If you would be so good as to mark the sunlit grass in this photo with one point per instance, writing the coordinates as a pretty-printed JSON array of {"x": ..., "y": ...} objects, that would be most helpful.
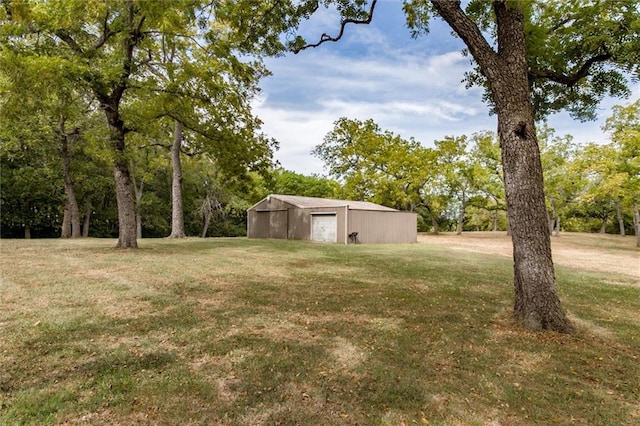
[{"x": 236, "y": 331}]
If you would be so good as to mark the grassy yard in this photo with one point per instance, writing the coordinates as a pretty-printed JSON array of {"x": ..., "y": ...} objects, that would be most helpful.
[{"x": 253, "y": 332}]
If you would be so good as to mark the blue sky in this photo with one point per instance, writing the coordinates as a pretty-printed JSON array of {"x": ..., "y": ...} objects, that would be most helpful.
[{"x": 412, "y": 87}]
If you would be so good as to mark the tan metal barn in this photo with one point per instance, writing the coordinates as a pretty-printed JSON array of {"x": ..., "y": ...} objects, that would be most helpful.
[{"x": 327, "y": 220}]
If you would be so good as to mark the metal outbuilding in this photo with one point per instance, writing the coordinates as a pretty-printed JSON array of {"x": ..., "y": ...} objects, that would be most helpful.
[{"x": 327, "y": 220}]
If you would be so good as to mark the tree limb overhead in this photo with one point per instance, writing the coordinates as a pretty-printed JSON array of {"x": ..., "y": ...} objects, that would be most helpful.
[{"x": 326, "y": 37}]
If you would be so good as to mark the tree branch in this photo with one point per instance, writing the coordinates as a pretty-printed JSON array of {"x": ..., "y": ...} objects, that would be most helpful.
[
  {"x": 66, "y": 37},
  {"x": 468, "y": 31},
  {"x": 569, "y": 80},
  {"x": 326, "y": 37},
  {"x": 106, "y": 33}
]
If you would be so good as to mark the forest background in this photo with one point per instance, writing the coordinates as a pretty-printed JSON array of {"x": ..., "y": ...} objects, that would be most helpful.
[{"x": 186, "y": 114}]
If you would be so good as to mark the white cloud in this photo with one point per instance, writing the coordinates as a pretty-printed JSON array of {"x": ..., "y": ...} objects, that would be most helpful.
[
  {"x": 413, "y": 88},
  {"x": 410, "y": 95}
]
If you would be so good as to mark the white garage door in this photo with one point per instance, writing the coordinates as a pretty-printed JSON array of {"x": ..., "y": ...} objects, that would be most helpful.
[{"x": 324, "y": 228}]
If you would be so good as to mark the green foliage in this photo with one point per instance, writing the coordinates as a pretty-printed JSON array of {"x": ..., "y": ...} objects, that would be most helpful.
[
  {"x": 31, "y": 192},
  {"x": 377, "y": 165},
  {"x": 290, "y": 183},
  {"x": 624, "y": 127},
  {"x": 148, "y": 64},
  {"x": 577, "y": 51},
  {"x": 562, "y": 178}
]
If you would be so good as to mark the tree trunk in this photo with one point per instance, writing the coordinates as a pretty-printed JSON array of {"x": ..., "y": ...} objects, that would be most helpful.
[
  {"x": 27, "y": 232},
  {"x": 620, "y": 218},
  {"x": 138, "y": 190},
  {"x": 127, "y": 236},
  {"x": 177, "y": 208},
  {"x": 65, "y": 232},
  {"x": 461, "y": 217},
  {"x": 205, "y": 227},
  {"x": 603, "y": 226},
  {"x": 126, "y": 207},
  {"x": 87, "y": 219},
  {"x": 636, "y": 222},
  {"x": 138, "y": 224},
  {"x": 557, "y": 226},
  {"x": 70, "y": 197},
  {"x": 536, "y": 301}
]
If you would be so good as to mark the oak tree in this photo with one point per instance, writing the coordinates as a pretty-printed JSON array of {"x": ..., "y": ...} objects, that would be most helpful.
[{"x": 533, "y": 58}]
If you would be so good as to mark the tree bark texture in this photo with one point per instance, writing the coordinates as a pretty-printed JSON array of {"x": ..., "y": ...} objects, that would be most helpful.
[
  {"x": 127, "y": 236},
  {"x": 536, "y": 302},
  {"x": 177, "y": 207}
]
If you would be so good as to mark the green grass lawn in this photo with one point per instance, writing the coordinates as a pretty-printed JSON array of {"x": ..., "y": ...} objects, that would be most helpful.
[{"x": 252, "y": 332}]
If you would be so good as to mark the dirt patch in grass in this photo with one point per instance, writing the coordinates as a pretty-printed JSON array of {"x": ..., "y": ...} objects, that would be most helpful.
[{"x": 614, "y": 254}]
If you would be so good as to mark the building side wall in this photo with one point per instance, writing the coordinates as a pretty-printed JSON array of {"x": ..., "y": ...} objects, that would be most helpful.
[
  {"x": 268, "y": 219},
  {"x": 383, "y": 227},
  {"x": 257, "y": 224}
]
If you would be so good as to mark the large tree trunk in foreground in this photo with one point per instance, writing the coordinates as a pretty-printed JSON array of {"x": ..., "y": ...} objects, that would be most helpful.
[
  {"x": 536, "y": 301},
  {"x": 177, "y": 208}
]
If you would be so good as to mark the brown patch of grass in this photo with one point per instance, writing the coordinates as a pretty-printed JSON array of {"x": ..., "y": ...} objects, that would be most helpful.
[{"x": 591, "y": 252}]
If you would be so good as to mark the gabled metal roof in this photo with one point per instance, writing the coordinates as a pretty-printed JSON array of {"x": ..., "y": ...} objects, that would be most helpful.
[{"x": 313, "y": 202}]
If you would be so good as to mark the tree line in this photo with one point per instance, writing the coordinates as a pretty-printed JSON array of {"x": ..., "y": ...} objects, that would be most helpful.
[
  {"x": 458, "y": 183},
  {"x": 454, "y": 185}
]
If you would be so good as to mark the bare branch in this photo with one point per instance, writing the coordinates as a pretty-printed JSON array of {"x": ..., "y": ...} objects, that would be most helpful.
[{"x": 326, "y": 37}]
